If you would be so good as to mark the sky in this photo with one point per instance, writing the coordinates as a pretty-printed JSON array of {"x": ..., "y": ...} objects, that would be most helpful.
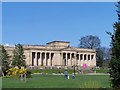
[{"x": 37, "y": 23}]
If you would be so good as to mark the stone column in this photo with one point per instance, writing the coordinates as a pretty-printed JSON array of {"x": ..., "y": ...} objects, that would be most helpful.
[
  {"x": 94, "y": 58},
  {"x": 49, "y": 60},
  {"x": 66, "y": 60},
  {"x": 35, "y": 59},
  {"x": 44, "y": 62},
  {"x": 61, "y": 63},
  {"x": 83, "y": 57},
  {"x": 86, "y": 56},
  {"x": 30, "y": 55},
  {"x": 82, "y": 60},
  {"x": 78, "y": 61},
  {"x": 70, "y": 59},
  {"x": 39, "y": 60}
]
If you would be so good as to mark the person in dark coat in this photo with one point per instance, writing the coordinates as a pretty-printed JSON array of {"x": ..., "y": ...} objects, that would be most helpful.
[{"x": 66, "y": 74}]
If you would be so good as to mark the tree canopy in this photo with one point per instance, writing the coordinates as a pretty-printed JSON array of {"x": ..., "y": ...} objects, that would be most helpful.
[
  {"x": 4, "y": 58},
  {"x": 115, "y": 56},
  {"x": 89, "y": 41},
  {"x": 18, "y": 56}
]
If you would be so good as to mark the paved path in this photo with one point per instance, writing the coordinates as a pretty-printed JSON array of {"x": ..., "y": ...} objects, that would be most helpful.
[
  {"x": 76, "y": 74},
  {"x": 97, "y": 74}
]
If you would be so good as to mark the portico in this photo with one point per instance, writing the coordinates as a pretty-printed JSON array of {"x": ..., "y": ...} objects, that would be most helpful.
[{"x": 65, "y": 59}]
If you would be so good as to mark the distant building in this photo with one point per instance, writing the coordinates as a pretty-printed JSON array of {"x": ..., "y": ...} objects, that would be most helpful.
[{"x": 57, "y": 53}]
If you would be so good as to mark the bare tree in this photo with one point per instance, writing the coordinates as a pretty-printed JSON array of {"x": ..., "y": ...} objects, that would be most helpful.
[{"x": 89, "y": 41}]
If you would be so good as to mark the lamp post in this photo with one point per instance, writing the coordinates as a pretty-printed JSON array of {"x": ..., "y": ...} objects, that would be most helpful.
[
  {"x": 74, "y": 69},
  {"x": 74, "y": 64}
]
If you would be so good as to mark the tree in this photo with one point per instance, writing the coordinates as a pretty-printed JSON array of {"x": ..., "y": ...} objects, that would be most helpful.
[
  {"x": 107, "y": 53},
  {"x": 103, "y": 56},
  {"x": 115, "y": 56},
  {"x": 4, "y": 59},
  {"x": 18, "y": 56},
  {"x": 89, "y": 41},
  {"x": 99, "y": 56},
  {"x": 106, "y": 56}
]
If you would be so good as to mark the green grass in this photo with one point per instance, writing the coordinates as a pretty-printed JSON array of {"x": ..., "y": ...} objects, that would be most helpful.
[
  {"x": 0, "y": 83},
  {"x": 57, "y": 81},
  {"x": 102, "y": 71}
]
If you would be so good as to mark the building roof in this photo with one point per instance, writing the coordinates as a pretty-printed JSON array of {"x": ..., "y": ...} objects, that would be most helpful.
[{"x": 58, "y": 42}]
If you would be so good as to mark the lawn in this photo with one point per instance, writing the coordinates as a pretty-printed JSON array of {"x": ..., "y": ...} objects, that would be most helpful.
[{"x": 58, "y": 81}]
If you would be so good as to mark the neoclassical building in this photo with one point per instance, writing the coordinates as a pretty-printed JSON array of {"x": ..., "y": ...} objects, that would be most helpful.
[{"x": 57, "y": 53}]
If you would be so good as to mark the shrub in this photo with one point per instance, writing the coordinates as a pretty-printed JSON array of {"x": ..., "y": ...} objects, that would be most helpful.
[
  {"x": 28, "y": 74},
  {"x": 15, "y": 71}
]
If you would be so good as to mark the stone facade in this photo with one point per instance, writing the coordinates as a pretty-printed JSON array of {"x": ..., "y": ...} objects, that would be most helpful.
[{"x": 57, "y": 53}]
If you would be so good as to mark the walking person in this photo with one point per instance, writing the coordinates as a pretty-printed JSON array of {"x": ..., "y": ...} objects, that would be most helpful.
[
  {"x": 73, "y": 76},
  {"x": 66, "y": 74}
]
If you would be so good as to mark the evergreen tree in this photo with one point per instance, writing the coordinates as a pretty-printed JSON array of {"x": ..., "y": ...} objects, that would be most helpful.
[
  {"x": 18, "y": 56},
  {"x": 115, "y": 56},
  {"x": 99, "y": 57},
  {"x": 4, "y": 59}
]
